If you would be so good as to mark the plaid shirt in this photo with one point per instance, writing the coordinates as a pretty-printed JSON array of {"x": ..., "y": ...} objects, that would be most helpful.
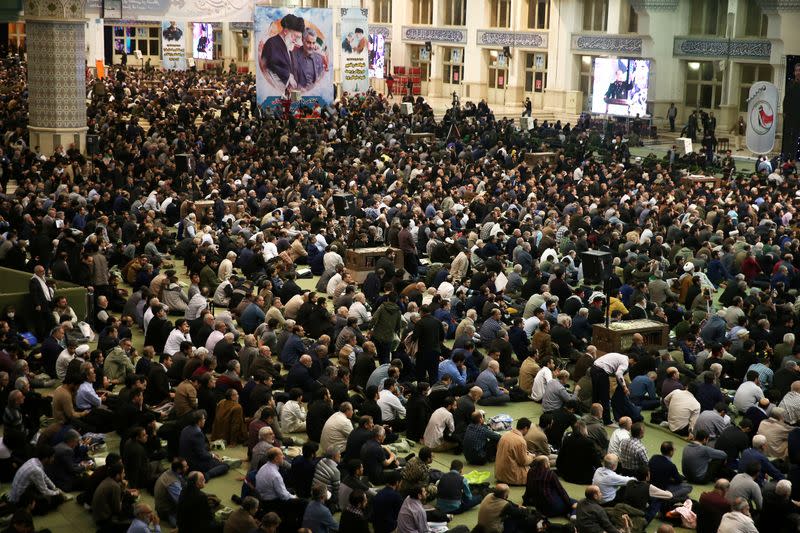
[
  {"x": 632, "y": 454},
  {"x": 475, "y": 439}
]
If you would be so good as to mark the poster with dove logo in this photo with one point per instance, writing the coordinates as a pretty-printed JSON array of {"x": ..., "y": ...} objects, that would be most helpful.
[{"x": 762, "y": 103}]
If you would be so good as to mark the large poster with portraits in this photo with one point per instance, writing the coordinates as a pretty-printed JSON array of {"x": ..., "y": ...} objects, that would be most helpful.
[
  {"x": 293, "y": 54},
  {"x": 173, "y": 45},
  {"x": 355, "y": 50}
]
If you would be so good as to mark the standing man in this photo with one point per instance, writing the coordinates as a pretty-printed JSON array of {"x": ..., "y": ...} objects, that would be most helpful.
[
  {"x": 528, "y": 107},
  {"x": 429, "y": 334},
  {"x": 672, "y": 113},
  {"x": 610, "y": 365},
  {"x": 409, "y": 249},
  {"x": 41, "y": 299}
]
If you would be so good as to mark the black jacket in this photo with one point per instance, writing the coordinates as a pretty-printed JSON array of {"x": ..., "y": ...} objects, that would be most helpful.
[
  {"x": 429, "y": 334},
  {"x": 157, "y": 385},
  {"x": 194, "y": 511}
]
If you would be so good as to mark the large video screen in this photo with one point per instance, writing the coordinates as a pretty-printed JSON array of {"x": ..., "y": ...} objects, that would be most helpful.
[
  {"x": 377, "y": 55},
  {"x": 620, "y": 86},
  {"x": 202, "y": 40}
]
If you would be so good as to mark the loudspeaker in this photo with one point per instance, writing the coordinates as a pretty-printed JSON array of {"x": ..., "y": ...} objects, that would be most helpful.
[
  {"x": 92, "y": 144},
  {"x": 526, "y": 123},
  {"x": 596, "y": 266},
  {"x": 184, "y": 163},
  {"x": 245, "y": 34},
  {"x": 344, "y": 204},
  {"x": 507, "y": 52}
]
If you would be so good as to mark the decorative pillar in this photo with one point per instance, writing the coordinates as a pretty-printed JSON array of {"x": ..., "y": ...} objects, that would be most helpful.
[{"x": 56, "y": 49}]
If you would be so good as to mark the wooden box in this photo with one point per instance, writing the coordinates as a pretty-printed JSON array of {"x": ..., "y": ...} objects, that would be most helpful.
[
  {"x": 412, "y": 138},
  {"x": 618, "y": 337},
  {"x": 201, "y": 207},
  {"x": 699, "y": 178},
  {"x": 362, "y": 261},
  {"x": 534, "y": 158}
]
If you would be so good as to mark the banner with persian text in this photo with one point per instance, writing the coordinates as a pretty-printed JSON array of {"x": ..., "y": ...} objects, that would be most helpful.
[
  {"x": 355, "y": 50},
  {"x": 173, "y": 45}
]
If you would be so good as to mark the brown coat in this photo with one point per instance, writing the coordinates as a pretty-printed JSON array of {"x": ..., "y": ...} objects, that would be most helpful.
[
  {"x": 513, "y": 459},
  {"x": 229, "y": 423}
]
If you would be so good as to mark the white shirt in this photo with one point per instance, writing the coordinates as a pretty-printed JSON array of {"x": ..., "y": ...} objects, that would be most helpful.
[
  {"x": 213, "y": 339},
  {"x": 613, "y": 363},
  {"x": 682, "y": 409},
  {"x": 331, "y": 259},
  {"x": 747, "y": 395},
  {"x": 330, "y": 288},
  {"x": 173, "y": 344},
  {"x": 441, "y": 420},
  {"x": 531, "y": 325},
  {"x": 391, "y": 406},
  {"x": 335, "y": 431},
  {"x": 359, "y": 311},
  {"x": 293, "y": 417},
  {"x": 148, "y": 315},
  {"x": 64, "y": 358},
  {"x": 619, "y": 435},
  {"x": 225, "y": 269},
  {"x": 540, "y": 383},
  {"x": 270, "y": 251}
]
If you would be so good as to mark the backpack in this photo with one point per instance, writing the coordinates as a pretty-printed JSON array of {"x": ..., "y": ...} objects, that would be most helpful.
[{"x": 500, "y": 422}]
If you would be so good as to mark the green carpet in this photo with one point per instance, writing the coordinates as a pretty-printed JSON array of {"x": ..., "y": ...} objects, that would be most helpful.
[{"x": 70, "y": 515}]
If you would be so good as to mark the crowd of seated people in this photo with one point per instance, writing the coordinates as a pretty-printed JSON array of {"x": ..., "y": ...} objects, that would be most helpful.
[{"x": 322, "y": 386}]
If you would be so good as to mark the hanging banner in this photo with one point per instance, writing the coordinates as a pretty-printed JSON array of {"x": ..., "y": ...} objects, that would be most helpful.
[
  {"x": 173, "y": 46},
  {"x": 195, "y": 10},
  {"x": 355, "y": 50},
  {"x": 293, "y": 55},
  {"x": 377, "y": 55},
  {"x": 762, "y": 104}
]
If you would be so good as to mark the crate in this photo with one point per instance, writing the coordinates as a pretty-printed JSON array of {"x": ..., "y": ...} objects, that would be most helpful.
[
  {"x": 618, "y": 337},
  {"x": 361, "y": 262}
]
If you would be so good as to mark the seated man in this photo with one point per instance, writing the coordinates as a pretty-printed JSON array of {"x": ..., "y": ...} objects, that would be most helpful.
[
  {"x": 377, "y": 459},
  {"x": 31, "y": 481},
  {"x": 317, "y": 516},
  {"x": 513, "y": 458},
  {"x": 607, "y": 479},
  {"x": 66, "y": 470},
  {"x": 479, "y": 444},
  {"x": 195, "y": 511},
  {"x": 664, "y": 474},
  {"x": 168, "y": 488},
  {"x": 112, "y": 503},
  {"x": 702, "y": 463},
  {"x": 272, "y": 491},
  {"x": 194, "y": 449},
  {"x": 454, "y": 494},
  {"x": 578, "y": 456},
  {"x": 439, "y": 432},
  {"x": 682, "y": 411},
  {"x": 493, "y": 394}
]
